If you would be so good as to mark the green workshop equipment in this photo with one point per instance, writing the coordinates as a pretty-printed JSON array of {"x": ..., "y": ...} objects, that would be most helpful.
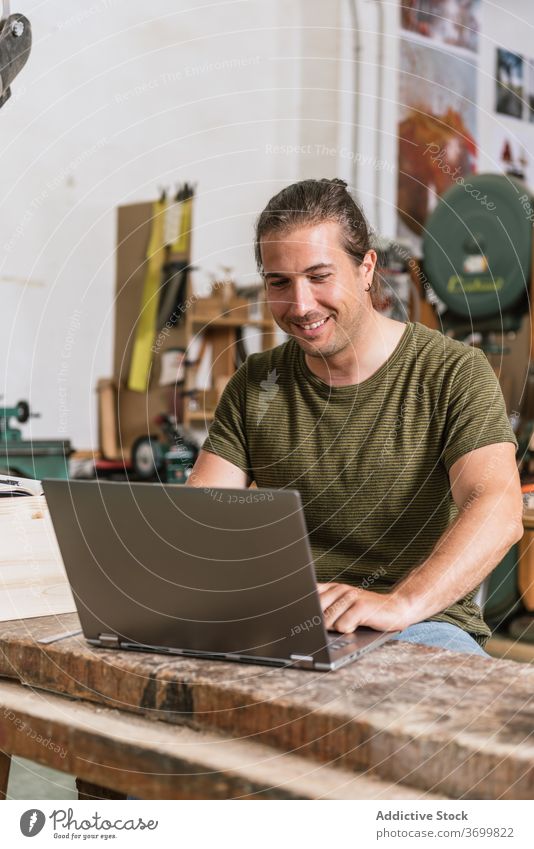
[
  {"x": 477, "y": 257},
  {"x": 477, "y": 252},
  {"x": 36, "y": 458}
]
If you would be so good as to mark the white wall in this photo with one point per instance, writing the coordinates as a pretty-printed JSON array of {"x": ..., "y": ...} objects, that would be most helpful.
[
  {"x": 118, "y": 98},
  {"x": 510, "y": 26}
]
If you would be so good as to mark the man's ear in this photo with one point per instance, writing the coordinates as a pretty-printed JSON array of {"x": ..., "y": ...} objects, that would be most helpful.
[{"x": 369, "y": 262}]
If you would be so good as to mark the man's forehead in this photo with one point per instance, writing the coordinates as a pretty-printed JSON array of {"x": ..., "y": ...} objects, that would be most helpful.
[
  {"x": 316, "y": 268},
  {"x": 302, "y": 248}
]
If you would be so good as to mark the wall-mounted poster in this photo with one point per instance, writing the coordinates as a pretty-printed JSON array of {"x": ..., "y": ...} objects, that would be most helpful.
[
  {"x": 510, "y": 152},
  {"x": 454, "y": 23},
  {"x": 509, "y": 83},
  {"x": 530, "y": 89},
  {"x": 437, "y": 128}
]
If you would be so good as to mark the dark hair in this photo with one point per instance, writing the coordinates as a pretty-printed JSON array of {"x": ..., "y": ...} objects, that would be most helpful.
[{"x": 312, "y": 202}]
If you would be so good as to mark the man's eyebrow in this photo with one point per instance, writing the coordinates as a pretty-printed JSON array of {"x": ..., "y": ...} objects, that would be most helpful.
[{"x": 318, "y": 266}]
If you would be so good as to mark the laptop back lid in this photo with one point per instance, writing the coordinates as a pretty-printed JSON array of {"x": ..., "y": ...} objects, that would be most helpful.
[{"x": 226, "y": 571}]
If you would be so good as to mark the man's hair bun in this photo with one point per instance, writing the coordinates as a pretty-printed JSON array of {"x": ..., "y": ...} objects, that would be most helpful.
[{"x": 335, "y": 181}]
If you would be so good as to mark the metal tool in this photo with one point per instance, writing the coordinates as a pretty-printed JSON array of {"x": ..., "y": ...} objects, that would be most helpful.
[
  {"x": 21, "y": 412},
  {"x": 15, "y": 46}
]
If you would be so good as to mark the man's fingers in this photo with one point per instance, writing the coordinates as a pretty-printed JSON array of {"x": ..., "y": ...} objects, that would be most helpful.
[
  {"x": 330, "y": 596},
  {"x": 321, "y": 588},
  {"x": 338, "y": 608},
  {"x": 349, "y": 621}
]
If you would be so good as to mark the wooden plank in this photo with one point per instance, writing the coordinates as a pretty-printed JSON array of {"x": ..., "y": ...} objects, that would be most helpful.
[
  {"x": 504, "y": 647},
  {"x": 5, "y": 765},
  {"x": 455, "y": 724},
  {"x": 154, "y": 760},
  {"x": 32, "y": 577},
  {"x": 88, "y": 792}
]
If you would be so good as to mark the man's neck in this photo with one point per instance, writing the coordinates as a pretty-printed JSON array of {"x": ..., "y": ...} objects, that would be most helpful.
[{"x": 376, "y": 340}]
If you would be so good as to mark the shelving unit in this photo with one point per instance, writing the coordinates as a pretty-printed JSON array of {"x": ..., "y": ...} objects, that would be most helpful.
[{"x": 218, "y": 318}]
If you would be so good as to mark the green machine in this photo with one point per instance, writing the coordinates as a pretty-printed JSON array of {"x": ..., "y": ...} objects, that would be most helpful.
[
  {"x": 38, "y": 458},
  {"x": 477, "y": 251}
]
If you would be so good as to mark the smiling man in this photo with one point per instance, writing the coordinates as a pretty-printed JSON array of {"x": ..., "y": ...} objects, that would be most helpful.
[{"x": 396, "y": 437}]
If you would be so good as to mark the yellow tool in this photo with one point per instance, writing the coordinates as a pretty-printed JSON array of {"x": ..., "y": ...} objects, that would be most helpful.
[{"x": 141, "y": 362}]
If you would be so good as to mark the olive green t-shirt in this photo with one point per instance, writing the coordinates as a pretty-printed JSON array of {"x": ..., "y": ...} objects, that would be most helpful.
[{"x": 370, "y": 460}]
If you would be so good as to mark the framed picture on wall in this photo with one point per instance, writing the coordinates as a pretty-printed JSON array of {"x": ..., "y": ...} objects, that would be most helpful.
[{"x": 509, "y": 83}]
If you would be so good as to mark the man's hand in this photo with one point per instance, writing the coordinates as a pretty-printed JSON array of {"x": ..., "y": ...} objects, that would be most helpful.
[{"x": 345, "y": 608}]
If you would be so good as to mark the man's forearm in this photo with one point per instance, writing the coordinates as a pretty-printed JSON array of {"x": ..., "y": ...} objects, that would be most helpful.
[{"x": 469, "y": 549}]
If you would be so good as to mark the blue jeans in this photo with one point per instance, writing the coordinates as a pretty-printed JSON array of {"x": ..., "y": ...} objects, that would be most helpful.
[{"x": 442, "y": 635}]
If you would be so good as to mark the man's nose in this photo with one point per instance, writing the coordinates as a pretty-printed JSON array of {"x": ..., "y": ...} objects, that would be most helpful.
[{"x": 302, "y": 297}]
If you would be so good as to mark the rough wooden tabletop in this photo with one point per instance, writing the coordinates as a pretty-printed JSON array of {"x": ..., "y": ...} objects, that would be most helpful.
[{"x": 447, "y": 723}]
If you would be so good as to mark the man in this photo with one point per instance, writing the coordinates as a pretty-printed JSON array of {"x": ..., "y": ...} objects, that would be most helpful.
[{"x": 396, "y": 437}]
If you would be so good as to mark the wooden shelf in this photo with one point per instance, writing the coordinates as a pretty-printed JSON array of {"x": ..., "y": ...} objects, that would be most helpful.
[
  {"x": 199, "y": 416},
  {"x": 218, "y": 321},
  {"x": 508, "y": 649}
]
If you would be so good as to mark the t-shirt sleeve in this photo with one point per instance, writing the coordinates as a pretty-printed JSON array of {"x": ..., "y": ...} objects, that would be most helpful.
[
  {"x": 476, "y": 414},
  {"x": 227, "y": 435}
]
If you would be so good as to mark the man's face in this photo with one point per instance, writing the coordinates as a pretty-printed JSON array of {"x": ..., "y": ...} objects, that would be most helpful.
[{"x": 315, "y": 290}]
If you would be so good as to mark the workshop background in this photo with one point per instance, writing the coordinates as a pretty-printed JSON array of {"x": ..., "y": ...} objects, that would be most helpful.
[
  {"x": 130, "y": 113},
  {"x": 241, "y": 98}
]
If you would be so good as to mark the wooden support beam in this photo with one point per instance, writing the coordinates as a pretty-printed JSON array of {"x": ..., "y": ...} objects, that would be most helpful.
[
  {"x": 153, "y": 760},
  {"x": 5, "y": 764},
  {"x": 429, "y": 718}
]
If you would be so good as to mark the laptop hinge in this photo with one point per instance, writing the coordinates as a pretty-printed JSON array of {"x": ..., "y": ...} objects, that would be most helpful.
[
  {"x": 109, "y": 641},
  {"x": 302, "y": 661}
]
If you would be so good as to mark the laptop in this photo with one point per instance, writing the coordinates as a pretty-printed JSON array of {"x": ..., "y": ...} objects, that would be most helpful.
[{"x": 223, "y": 574}]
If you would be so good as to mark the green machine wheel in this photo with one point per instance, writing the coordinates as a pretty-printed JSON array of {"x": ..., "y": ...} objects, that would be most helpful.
[{"x": 477, "y": 246}]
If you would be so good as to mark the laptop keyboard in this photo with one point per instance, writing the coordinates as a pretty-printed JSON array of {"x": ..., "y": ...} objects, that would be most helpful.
[{"x": 335, "y": 643}]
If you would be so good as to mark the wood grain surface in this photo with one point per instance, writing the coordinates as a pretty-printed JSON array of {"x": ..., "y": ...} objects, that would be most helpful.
[
  {"x": 155, "y": 760},
  {"x": 32, "y": 576},
  {"x": 452, "y": 724}
]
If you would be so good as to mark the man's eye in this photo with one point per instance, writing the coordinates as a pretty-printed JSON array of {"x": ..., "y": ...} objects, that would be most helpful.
[
  {"x": 276, "y": 284},
  {"x": 319, "y": 278}
]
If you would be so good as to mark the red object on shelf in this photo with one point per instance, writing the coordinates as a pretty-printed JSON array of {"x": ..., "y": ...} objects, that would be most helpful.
[{"x": 113, "y": 465}]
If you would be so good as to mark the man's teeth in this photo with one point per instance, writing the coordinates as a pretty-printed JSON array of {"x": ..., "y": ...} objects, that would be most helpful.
[{"x": 314, "y": 325}]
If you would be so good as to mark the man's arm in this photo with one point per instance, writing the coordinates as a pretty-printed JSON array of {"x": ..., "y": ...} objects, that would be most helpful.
[
  {"x": 212, "y": 471},
  {"x": 485, "y": 487}
]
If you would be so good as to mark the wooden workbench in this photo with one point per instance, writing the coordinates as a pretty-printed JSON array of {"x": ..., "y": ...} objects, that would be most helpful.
[{"x": 405, "y": 721}]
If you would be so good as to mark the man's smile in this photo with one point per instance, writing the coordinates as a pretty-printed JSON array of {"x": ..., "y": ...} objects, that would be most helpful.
[{"x": 310, "y": 330}]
